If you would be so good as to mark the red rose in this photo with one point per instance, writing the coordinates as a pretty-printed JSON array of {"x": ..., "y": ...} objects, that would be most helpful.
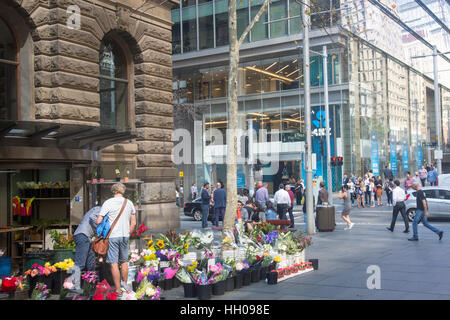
[
  {"x": 98, "y": 296},
  {"x": 111, "y": 296}
]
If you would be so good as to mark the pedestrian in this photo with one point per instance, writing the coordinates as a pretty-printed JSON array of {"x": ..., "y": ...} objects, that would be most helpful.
[
  {"x": 323, "y": 194},
  {"x": 379, "y": 190},
  {"x": 408, "y": 182},
  {"x": 344, "y": 180},
  {"x": 371, "y": 175},
  {"x": 359, "y": 192},
  {"x": 206, "y": 199},
  {"x": 423, "y": 173},
  {"x": 367, "y": 189},
  {"x": 388, "y": 173},
  {"x": 270, "y": 212},
  {"x": 220, "y": 202},
  {"x": 194, "y": 191},
  {"x": 84, "y": 256},
  {"x": 316, "y": 182},
  {"x": 291, "y": 206},
  {"x": 123, "y": 209},
  {"x": 262, "y": 196},
  {"x": 416, "y": 178},
  {"x": 283, "y": 201},
  {"x": 347, "y": 207},
  {"x": 422, "y": 214},
  {"x": 298, "y": 189},
  {"x": 388, "y": 188},
  {"x": 432, "y": 176},
  {"x": 372, "y": 189},
  {"x": 398, "y": 195},
  {"x": 351, "y": 189}
]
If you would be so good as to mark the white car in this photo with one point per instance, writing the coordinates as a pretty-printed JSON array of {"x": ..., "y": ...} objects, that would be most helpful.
[
  {"x": 444, "y": 180},
  {"x": 438, "y": 199}
]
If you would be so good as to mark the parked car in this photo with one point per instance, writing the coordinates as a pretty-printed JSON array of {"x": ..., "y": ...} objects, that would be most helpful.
[
  {"x": 444, "y": 180},
  {"x": 194, "y": 209},
  {"x": 438, "y": 199}
]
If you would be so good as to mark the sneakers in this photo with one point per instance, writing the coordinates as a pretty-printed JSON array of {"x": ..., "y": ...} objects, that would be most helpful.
[
  {"x": 125, "y": 286},
  {"x": 413, "y": 239},
  {"x": 405, "y": 231},
  {"x": 351, "y": 226},
  {"x": 441, "y": 234},
  {"x": 390, "y": 229}
]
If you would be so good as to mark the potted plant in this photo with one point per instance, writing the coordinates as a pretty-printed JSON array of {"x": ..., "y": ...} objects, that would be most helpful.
[
  {"x": 100, "y": 175},
  {"x": 89, "y": 283},
  {"x": 94, "y": 174},
  {"x": 63, "y": 246},
  {"x": 117, "y": 171},
  {"x": 127, "y": 174}
]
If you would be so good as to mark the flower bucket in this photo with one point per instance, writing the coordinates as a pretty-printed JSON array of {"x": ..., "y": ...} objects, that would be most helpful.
[
  {"x": 229, "y": 284},
  {"x": 272, "y": 277},
  {"x": 256, "y": 274},
  {"x": 238, "y": 280},
  {"x": 315, "y": 263},
  {"x": 58, "y": 280},
  {"x": 190, "y": 290},
  {"x": 263, "y": 272},
  {"x": 166, "y": 284},
  {"x": 62, "y": 254},
  {"x": 32, "y": 283},
  {"x": 247, "y": 277},
  {"x": 218, "y": 288},
  {"x": 175, "y": 282},
  {"x": 204, "y": 292}
]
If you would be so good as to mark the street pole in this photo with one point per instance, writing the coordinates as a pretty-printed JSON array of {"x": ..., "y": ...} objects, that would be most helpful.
[
  {"x": 327, "y": 120},
  {"x": 436, "y": 110},
  {"x": 250, "y": 157},
  {"x": 308, "y": 144}
]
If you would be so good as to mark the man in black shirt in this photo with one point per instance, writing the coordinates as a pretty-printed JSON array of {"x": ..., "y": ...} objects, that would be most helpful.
[{"x": 422, "y": 213}]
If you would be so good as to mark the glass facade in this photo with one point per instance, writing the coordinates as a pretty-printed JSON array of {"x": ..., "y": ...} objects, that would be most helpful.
[{"x": 208, "y": 20}]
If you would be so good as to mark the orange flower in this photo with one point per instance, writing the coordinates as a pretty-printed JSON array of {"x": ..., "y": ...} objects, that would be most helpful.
[
  {"x": 27, "y": 272},
  {"x": 34, "y": 272},
  {"x": 47, "y": 271}
]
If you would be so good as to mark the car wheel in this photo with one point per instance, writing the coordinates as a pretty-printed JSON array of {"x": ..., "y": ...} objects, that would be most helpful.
[
  {"x": 197, "y": 214},
  {"x": 410, "y": 214}
]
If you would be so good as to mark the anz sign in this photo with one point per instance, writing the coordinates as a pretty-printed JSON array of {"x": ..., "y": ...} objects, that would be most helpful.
[{"x": 319, "y": 124}]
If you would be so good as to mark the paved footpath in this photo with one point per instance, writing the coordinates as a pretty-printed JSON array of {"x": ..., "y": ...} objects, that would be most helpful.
[{"x": 408, "y": 270}]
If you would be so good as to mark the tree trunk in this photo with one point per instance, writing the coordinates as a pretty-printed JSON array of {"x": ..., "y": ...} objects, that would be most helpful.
[{"x": 230, "y": 213}]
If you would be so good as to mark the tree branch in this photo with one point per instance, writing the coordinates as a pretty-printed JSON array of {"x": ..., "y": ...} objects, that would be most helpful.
[{"x": 254, "y": 21}]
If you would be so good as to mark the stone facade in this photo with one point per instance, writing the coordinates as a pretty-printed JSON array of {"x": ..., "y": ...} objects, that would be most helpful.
[{"x": 66, "y": 83}]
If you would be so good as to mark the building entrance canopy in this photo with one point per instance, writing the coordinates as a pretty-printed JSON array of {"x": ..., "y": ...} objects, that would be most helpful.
[{"x": 41, "y": 140}]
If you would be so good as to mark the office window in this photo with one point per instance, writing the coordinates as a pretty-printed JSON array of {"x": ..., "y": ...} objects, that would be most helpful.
[
  {"x": 260, "y": 29},
  {"x": 206, "y": 25},
  {"x": 295, "y": 10},
  {"x": 189, "y": 29},
  {"x": 278, "y": 10}
]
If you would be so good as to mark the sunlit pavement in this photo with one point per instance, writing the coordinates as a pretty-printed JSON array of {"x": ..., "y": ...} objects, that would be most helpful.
[{"x": 408, "y": 270}]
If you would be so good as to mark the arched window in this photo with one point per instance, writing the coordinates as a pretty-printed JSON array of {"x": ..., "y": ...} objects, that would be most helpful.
[
  {"x": 113, "y": 86},
  {"x": 8, "y": 73}
]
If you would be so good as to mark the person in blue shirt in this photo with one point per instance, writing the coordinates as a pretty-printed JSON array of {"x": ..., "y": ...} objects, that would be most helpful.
[
  {"x": 84, "y": 256},
  {"x": 220, "y": 202},
  {"x": 432, "y": 176},
  {"x": 270, "y": 212},
  {"x": 206, "y": 199}
]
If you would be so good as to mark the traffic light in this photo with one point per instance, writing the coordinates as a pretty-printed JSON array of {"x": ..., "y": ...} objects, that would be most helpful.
[
  {"x": 333, "y": 161},
  {"x": 322, "y": 147},
  {"x": 339, "y": 161}
]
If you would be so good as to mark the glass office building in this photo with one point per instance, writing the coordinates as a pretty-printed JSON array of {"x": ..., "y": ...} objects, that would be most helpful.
[{"x": 379, "y": 107}]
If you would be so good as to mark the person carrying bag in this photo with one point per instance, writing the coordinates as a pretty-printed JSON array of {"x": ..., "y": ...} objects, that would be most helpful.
[{"x": 101, "y": 244}]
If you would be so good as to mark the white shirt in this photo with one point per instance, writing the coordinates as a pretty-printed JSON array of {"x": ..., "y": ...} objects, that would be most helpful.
[
  {"x": 281, "y": 197},
  {"x": 351, "y": 186},
  {"x": 111, "y": 207},
  {"x": 398, "y": 195}
]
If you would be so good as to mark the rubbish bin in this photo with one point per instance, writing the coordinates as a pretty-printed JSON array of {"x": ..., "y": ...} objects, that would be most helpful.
[{"x": 325, "y": 218}]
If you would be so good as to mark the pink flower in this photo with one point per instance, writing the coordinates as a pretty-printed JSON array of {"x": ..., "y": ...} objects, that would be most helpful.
[
  {"x": 68, "y": 284},
  {"x": 170, "y": 273},
  {"x": 34, "y": 273},
  {"x": 100, "y": 259}
]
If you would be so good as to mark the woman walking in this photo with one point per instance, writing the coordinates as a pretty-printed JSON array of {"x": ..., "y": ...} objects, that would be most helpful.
[
  {"x": 347, "y": 207},
  {"x": 366, "y": 189},
  {"x": 359, "y": 192},
  {"x": 372, "y": 190}
]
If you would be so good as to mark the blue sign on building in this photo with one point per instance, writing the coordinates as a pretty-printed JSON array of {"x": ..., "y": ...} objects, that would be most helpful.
[
  {"x": 374, "y": 153},
  {"x": 393, "y": 152},
  {"x": 405, "y": 156},
  {"x": 419, "y": 156}
]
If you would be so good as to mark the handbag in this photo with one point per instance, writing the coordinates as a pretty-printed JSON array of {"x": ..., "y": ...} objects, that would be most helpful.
[{"x": 101, "y": 244}]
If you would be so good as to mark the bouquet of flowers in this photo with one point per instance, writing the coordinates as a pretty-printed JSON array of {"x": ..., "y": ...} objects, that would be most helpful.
[
  {"x": 271, "y": 237},
  {"x": 201, "y": 239},
  {"x": 179, "y": 243},
  {"x": 90, "y": 279},
  {"x": 40, "y": 292},
  {"x": 228, "y": 240},
  {"x": 37, "y": 270},
  {"x": 303, "y": 241},
  {"x": 62, "y": 242},
  {"x": 251, "y": 255},
  {"x": 64, "y": 265},
  {"x": 241, "y": 266},
  {"x": 67, "y": 285},
  {"x": 140, "y": 230},
  {"x": 147, "y": 291},
  {"x": 150, "y": 273},
  {"x": 184, "y": 275},
  {"x": 266, "y": 259},
  {"x": 219, "y": 273},
  {"x": 104, "y": 292}
]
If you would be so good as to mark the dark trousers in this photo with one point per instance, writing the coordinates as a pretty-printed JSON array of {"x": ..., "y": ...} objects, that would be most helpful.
[
  {"x": 389, "y": 196},
  {"x": 218, "y": 212},
  {"x": 399, "y": 207},
  {"x": 291, "y": 215},
  {"x": 84, "y": 256},
  {"x": 298, "y": 195},
  {"x": 282, "y": 210},
  {"x": 367, "y": 198},
  {"x": 423, "y": 182},
  {"x": 205, "y": 213}
]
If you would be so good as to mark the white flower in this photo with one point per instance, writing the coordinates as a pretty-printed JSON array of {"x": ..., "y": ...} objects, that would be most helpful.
[{"x": 150, "y": 291}]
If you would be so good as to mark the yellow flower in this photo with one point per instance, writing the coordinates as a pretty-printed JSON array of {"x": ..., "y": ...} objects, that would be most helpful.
[
  {"x": 152, "y": 248},
  {"x": 277, "y": 259},
  {"x": 47, "y": 264},
  {"x": 160, "y": 244},
  {"x": 192, "y": 266},
  {"x": 186, "y": 246},
  {"x": 149, "y": 243}
]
